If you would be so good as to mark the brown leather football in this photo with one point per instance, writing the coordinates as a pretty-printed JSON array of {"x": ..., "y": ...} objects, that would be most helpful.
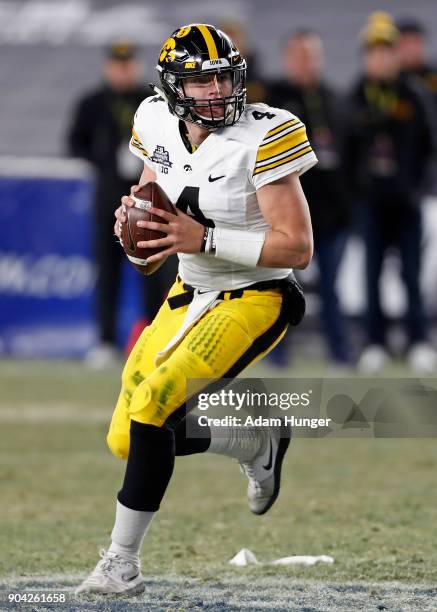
[{"x": 150, "y": 194}]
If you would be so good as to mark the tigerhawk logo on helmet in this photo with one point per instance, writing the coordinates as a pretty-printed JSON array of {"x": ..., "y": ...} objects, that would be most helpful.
[{"x": 198, "y": 50}]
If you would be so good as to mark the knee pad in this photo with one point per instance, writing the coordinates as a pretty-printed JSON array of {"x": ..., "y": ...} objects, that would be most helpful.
[
  {"x": 143, "y": 409},
  {"x": 118, "y": 444},
  {"x": 164, "y": 391},
  {"x": 157, "y": 398}
]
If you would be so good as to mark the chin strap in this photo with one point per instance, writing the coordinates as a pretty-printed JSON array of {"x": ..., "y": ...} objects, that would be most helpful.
[{"x": 199, "y": 121}]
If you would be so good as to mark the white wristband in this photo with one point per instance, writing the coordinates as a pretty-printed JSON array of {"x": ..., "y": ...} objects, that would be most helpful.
[{"x": 239, "y": 246}]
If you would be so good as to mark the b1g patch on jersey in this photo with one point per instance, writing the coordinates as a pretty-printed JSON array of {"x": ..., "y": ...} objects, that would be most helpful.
[{"x": 161, "y": 156}]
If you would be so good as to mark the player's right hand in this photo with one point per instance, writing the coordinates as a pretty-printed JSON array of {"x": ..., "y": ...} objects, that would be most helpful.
[{"x": 120, "y": 212}]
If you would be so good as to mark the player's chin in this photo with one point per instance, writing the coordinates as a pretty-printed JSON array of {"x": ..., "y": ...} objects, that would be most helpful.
[
  {"x": 210, "y": 112},
  {"x": 218, "y": 113}
]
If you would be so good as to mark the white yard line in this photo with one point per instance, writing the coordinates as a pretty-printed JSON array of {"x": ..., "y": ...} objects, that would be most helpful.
[{"x": 60, "y": 412}]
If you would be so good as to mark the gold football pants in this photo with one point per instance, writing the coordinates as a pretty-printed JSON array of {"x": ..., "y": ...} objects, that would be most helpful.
[{"x": 234, "y": 334}]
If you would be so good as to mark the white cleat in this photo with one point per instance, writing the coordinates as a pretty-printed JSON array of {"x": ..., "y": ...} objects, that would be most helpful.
[
  {"x": 113, "y": 575},
  {"x": 373, "y": 359},
  {"x": 264, "y": 472},
  {"x": 422, "y": 358},
  {"x": 103, "y": 356}
]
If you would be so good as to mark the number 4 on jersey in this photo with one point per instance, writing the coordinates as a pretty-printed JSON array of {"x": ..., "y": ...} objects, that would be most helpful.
[{"x": 188, "y": 202}]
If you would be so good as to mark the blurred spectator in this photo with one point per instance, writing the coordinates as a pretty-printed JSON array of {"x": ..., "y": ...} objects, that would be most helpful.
[
  {"x": 390, "y": 148},
  {"x": 256, "y": 88},
  {"x": 413, "y": 56},
  {"x": 100, "y": 131},
  {"x": 304, "y": 92}
]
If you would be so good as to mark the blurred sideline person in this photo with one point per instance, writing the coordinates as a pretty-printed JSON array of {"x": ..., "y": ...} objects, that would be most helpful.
[
  {"x": 414, "y": 62},
  {"x": 255, "y": 84},
  {"x": 390, "y": 148},
  {"x": 413, "y": 54},
  {"x": 304, "y": 92},
  {"x": 100, "y": 131},
  {"x": 234, "y": 295}
]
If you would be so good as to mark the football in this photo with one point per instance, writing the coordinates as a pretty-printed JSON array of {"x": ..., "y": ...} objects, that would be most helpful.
[{"x": 150, "y": 194}]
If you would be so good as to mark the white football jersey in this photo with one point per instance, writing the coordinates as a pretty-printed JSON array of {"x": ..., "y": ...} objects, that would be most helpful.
[{"x": 217, "y": 183}]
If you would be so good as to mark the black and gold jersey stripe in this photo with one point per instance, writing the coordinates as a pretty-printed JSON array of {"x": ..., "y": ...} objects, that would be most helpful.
[
  {"x": 285, "y": 160},
  {"x": 280, "y": 128},
  {"x": 282, "y": 145},
  {"x": 280, "y": 132},
  {"x": 136, "y": 142}
]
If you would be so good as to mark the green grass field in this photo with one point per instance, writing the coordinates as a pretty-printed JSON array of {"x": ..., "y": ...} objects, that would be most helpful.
[{"x": 371, "y": 504}]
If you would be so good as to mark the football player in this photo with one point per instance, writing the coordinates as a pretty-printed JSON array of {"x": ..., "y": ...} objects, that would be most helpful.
[{"x": 242, "y": 224}]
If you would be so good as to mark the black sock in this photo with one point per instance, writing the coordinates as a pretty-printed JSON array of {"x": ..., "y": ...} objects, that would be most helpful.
[
  {"x": 197, "y": 440},
  {"x": 149, "y": 467}
]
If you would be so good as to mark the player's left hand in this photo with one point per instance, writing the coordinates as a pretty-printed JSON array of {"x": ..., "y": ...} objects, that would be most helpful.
[{"x": 183, "y": 234}]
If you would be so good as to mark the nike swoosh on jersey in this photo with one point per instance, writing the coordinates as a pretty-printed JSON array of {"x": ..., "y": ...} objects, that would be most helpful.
[
  {"x": 216, "y": 178},
  {"x": 269, "y": 463}
]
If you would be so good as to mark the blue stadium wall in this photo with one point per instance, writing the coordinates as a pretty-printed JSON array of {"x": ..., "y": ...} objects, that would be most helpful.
[{"x": 47, "y": 272}]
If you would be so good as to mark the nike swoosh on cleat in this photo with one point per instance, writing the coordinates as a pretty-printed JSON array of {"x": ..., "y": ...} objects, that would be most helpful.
[
  {"x": 269, "y": 463},
  {"x": 216, "y": 178}
]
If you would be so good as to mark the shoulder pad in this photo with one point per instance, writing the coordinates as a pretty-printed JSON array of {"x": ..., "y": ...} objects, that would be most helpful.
[{"x": 257, "y": 121}]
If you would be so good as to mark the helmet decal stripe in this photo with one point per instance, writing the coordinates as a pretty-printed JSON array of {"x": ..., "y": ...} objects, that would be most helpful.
[{"x": 212, "y": 48}]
